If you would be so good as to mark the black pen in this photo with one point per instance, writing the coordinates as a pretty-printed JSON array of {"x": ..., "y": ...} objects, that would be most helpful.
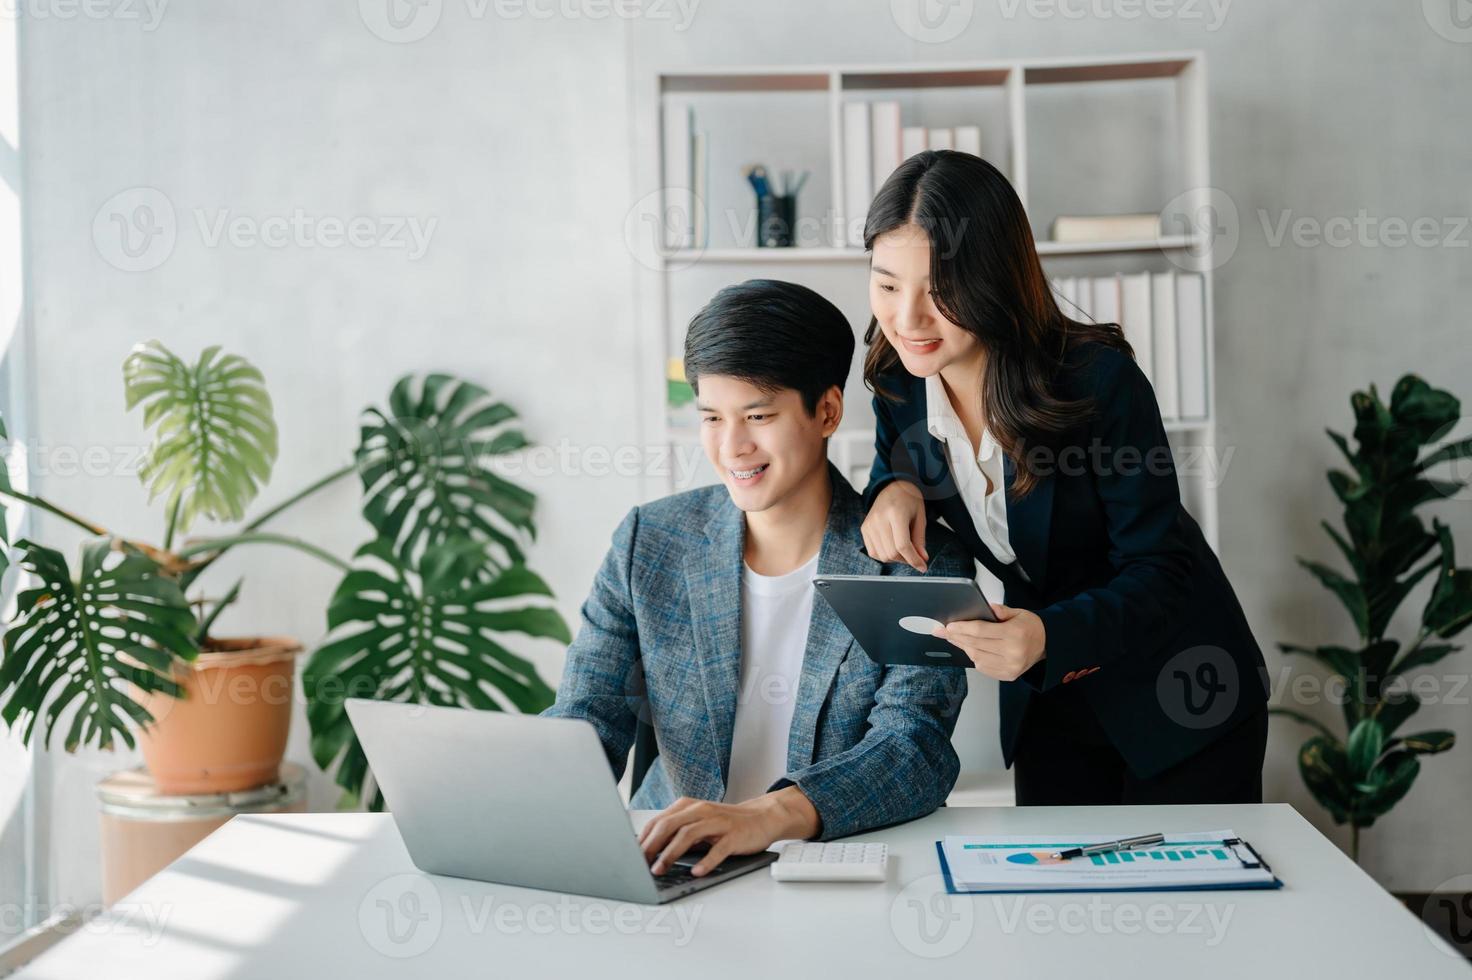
[{"x": 1123, "y": 844}]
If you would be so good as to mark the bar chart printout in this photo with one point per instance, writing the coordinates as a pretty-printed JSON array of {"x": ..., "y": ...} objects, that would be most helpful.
[{"x": 1193, "y": 859}]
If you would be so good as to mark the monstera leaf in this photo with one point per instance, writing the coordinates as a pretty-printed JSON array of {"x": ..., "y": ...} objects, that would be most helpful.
[
  {"x": 80, "y": 644},
  {"x": 430, "y": 634},
  {"x": 216, "y": 438},
  {"x": 424, "y": 469}
]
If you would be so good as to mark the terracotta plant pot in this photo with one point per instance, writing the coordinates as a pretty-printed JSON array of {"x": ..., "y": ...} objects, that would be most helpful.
[{"x": 229, "y": 731}]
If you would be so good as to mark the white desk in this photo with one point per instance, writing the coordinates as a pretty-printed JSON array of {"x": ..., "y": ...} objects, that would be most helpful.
[{"x": 328, "y": 896}]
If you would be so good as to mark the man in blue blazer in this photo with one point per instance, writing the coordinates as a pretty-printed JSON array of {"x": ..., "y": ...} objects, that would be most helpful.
[{"x": 772, "y": 722}]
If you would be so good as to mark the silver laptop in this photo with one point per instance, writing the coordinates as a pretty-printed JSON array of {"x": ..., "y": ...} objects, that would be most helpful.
[{"x": 518, "y": 800}]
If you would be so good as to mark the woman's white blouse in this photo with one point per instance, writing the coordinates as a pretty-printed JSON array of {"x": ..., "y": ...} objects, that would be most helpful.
[{"x": 971, "y": 471}]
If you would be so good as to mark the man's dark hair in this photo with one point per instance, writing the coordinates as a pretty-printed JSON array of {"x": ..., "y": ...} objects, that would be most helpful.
[{"x": 773, "y": 335}]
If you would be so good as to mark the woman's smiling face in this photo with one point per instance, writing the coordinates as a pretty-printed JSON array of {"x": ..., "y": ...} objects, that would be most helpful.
[{"x": 900, "y": 296}]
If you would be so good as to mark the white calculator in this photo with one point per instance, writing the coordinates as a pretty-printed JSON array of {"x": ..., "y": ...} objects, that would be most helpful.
[{"x": 833, "y": 861}]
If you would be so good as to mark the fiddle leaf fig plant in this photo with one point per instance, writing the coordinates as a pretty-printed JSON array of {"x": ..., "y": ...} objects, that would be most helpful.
[
  {"x": 428, "y": 625},
  {"x": 1360, "y": 775}
]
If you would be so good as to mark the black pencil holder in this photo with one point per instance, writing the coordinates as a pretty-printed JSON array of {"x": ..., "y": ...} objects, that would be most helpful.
[{"x": 776, "y": 217}]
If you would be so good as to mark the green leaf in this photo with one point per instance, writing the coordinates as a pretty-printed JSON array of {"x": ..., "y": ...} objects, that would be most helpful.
[
  {"x": 1349, "y": 593},
  {"x": 1427, "y": 412},
  {"x": 1461, "y": 449},
  {"x": 425, "y": 468},
  {"x": 1350, "y": 555},
  {"x": 1392, "y": 711},
  {"x": 1325, "y": 771},
  {"x": 1423, "y": 656},
  {"x": 1343, "y": 445},
  {"x": 1425, "y": 743},
  {"x": 1390, "y": 782},
  {"x": 1346, "y": 488},
  {"x": 1373, "y": 423},
  {"x": 1363, "y": 747},
  {"x": 1449, "y": 610},
  {"x": 214, "y": 434},
  {"x": 1340, "y": 660},
  {"x": 1386, "y": 598},
  {"x": 1373, "y": 669},
  {"x": 433, "y": 633},
  {"x": 85, "y": 645},
  {"x": 1299, "y": 716}
]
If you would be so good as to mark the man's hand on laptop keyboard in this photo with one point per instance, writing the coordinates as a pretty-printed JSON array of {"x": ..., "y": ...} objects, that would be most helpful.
[{"x": 729, "y": 828}]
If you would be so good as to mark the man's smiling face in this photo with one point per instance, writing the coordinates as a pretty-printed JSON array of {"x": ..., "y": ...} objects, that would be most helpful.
[{"x": 763, "y": 444}]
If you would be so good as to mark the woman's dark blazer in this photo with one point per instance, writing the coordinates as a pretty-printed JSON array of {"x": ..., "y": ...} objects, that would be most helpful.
[{"x": 1137, "y": 609}]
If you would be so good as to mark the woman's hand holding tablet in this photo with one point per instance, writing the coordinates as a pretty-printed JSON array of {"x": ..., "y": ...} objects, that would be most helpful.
[
  {"x": 1004, "y": 647},
  {"x": 895, "y": 618}
]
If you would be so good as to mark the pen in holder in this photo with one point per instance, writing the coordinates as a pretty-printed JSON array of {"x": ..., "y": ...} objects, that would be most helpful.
[
  {"x": 776, "y": 213},
  {"x": 775, "y": 217}
]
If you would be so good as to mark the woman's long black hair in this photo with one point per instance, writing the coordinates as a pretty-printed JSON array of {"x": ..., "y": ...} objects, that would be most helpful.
[{"x": 987, "y": 279}]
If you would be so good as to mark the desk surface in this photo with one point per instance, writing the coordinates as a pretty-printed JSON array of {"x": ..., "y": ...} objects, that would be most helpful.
[{"x": 335, "y": 895}]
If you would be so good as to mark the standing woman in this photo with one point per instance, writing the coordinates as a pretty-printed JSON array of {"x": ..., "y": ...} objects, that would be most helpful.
[{"x": 1128, "y": 672}]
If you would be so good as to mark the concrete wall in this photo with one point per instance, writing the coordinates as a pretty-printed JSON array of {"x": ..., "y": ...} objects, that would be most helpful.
[{"x": 511, "y": 134}]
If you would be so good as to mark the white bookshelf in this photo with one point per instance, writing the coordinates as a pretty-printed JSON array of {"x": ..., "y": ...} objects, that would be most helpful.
[{"x": 749, "y": 99}]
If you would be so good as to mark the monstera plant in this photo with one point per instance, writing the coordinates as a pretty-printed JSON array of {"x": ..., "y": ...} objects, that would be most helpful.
[
  {"x": 96, "y": 644},
  {"x": 423, "y": 614},
  {"x": 1360, "y": 775}
]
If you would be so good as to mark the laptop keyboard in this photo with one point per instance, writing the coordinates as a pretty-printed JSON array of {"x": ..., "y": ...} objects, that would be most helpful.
[
  {"x": 680, "y": 876},
  {"x": 679, "y": 872}
]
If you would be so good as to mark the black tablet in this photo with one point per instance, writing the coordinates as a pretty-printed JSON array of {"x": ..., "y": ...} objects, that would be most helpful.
[{"x": 892, "y": 617}]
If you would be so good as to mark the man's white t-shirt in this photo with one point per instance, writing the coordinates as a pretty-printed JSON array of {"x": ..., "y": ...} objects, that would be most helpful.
[{"x": 775, "y": 614}]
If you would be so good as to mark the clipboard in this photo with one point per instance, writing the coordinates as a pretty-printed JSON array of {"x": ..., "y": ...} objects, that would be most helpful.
[{"x": 1274, "y": 883}]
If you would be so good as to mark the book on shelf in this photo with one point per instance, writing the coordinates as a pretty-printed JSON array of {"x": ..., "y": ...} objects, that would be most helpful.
[
  {"x": 678, "y": 218},
  {"x": 1066, "y": 290},
  {"x": 1166, "y": 378},
  {"x": 858, "y": 170},
  {"x": 1134, "y": 317},
  {"x": 1191, "y": 338},
  {"x": 1163, "y": 316},
  {"x": 1106, "y": 228},
  {"x": 912, "y": 141},
  {"x": 699, "y": 188},
  {"x": 968, "y": 139},
  {"x": 1104, "y": 296},
  {"x": 884, "y": 135},
  {"x": 874, "y": 143}
]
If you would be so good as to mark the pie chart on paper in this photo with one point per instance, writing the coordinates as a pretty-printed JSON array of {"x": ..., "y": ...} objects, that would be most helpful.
[{"x": 1034, "y": 857}]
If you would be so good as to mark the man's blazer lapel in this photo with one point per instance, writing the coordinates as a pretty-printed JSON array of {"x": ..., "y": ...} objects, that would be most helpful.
[
  {"x": 828, "y": 639},
  {"x": 713, "y": 583}
]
